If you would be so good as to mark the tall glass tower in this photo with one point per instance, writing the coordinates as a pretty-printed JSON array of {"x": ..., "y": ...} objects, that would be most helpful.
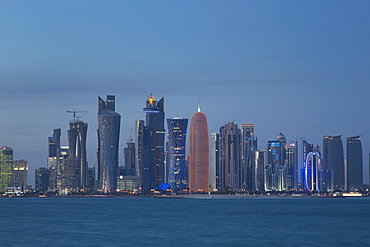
[
  {"x": 176, "y": 160},
  {"x": 108, "y": 137},
  {"x": 333, "y": 161},
  {"x": 76, "y": 164},
  {"x": 354, "y": 163},
  {"x": 6, "y": 167}
]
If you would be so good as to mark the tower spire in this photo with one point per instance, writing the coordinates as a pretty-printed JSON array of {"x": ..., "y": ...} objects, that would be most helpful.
[{"x": 198, "y": 105}]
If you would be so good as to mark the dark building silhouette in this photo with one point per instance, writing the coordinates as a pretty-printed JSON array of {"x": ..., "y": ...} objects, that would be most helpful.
[
  {"x": 176, "y": 160},
  {"x": 20, "y": 174},
  {"x": 42, "y": 179},
  {"x": 198, "y": 153},
  {"x": 108, "y": 144},
  {"x": 333, "y": 162},
  {"x": 354, "y": 164},
  {"x": 129, "y": 156}
]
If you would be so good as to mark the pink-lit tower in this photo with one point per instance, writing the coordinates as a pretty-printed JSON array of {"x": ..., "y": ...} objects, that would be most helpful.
[{"x": 198, "y": 153}]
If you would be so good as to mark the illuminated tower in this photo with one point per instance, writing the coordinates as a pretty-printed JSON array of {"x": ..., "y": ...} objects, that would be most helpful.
[
  {"x": 108, "y": 137},
  {"x": 312, "y": 172},
  {"x": 198, "y": 153},
  {"x": 6, "y": 167},
  {"x": 20, "y": 174},
  {"x": 176, "y": 160},
  {"x": 354, "y": 163},
  {"x": 248, "y": 145},
  {"x": 151, "y": 142}
]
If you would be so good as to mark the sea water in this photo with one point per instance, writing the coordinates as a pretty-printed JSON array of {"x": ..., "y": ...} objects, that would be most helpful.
[{"x": 125, "y": 221}]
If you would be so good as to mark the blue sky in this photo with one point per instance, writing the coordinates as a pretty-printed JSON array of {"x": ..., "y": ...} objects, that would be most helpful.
[{"x": 297, "y": 67}]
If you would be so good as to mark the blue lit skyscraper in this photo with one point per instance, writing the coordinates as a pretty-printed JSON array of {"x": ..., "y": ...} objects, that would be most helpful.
[
  {"x": 176, "y": 162},
  {"x": 108, "y": 137}
]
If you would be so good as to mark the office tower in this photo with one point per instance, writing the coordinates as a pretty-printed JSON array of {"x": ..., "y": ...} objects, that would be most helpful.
[
  {"x": 354, "y": 164},
  {"x": 108, "y": 137},
  {"x": 275, "y": 171},
  {"x": 6, "y": 167},
  {"x": 176, "y": 160},
  {"x": 198, "y": 153},
  {"x": 214, "y": 164},
  {"x": 312, "y": 170},
  {"x": 333, "y": 162},
  {"x": 139, "y": 128},
  {"x": 154, "y": 120},
  {"x": 76, "y": 168},
  {"x": 42, "y": 179},
  {"x": 149, "y": 147},
  {"x": 292, "y": 165},
  {"x": 248, "y": 145},
  {"x": 20, "y": 174},
  {"x": 231, "y": 157},
  {"x": 260, "y": 161},
  {"x": 129, "y": 156}
]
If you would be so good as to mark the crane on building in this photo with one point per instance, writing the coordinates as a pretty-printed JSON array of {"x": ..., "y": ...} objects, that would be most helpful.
[{"x": 74, "y": 113}]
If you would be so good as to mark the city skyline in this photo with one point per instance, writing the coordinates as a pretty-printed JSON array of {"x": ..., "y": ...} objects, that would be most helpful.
[{"x": 291, "y": 67}]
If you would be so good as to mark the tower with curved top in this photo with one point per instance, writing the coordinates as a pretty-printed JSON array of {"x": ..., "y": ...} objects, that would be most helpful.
[
  {"x": 108, "y": 138},
  {"x": 198, "y": 153},
  {"x": 176, "y": 160}
]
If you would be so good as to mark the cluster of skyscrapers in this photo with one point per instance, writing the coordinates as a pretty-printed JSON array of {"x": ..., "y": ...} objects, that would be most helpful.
[{"x": 229, "y": 160}]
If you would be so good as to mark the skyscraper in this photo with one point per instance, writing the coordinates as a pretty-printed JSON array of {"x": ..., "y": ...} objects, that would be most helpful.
[
  {"x": 20, "y": 174},
  {"x": 231, "y": 163},
  {"x": 54, "y": 144},
  {"x": 198, "y": 153},
  {"x": 176, "y": 160},
  {"x": 248, "y": 145},
  {"x": 76, "y": 169},
  {"x": 292, "y": 165},
  {"x": 108, "y": 137},
  {"x": 214, "y": 164},
  {"x": 129, "y": 155},
  {"x": 354, "y": 164},
  {"x": 275, "y": 171},
  {"x": 6, "y": 167},
  {"x": 149, "y": 146},
  {"x": 333, "y": 162}
]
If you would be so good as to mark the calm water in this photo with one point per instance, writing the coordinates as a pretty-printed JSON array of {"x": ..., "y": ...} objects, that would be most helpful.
[{"x": 184, "y": 222}]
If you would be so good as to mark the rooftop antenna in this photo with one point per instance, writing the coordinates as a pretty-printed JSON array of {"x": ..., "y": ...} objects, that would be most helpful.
[
  {"x": 130, "y": 138},
  {"x": 74, "y": 114}
]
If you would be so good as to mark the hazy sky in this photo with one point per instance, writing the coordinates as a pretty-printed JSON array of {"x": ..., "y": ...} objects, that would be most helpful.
[{"x": 297, "y": 67}]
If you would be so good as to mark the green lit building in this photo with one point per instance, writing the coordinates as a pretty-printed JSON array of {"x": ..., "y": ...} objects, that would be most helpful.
[{"x": 6, "y": 167}]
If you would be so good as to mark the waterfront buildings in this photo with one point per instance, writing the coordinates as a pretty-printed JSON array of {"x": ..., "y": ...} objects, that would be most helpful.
[
  {"x": 20, "y": 174},
  {"x": 42, "y": 179},
  {"x": 354, "y": 164},
  {"x": 333, "y": 163},
  {"x": 6, "y": 167},
  {"x": 312, "y": 172},
  {"x": 176, "y": 160},
  {"x": 108, "y": 144},
  {"x": 198, "y": 153},
  {"x": 291, "y": 163}
]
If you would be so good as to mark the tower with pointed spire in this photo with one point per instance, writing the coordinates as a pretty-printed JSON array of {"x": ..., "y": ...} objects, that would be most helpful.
[{"x": 198, "y": 153}]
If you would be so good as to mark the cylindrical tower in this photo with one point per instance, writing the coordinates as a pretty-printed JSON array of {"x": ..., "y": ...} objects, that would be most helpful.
[{"x": 198, "y": 154}]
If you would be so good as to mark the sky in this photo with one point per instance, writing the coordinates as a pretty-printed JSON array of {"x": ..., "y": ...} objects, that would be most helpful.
[{"x": 297, "y": 67}]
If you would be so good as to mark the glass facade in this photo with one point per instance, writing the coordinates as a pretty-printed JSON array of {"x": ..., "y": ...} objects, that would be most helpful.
[
  {"x": 6, "y": 167},
  {"x": 176, "y": 160},
  {"x": 108, "y": 136}
]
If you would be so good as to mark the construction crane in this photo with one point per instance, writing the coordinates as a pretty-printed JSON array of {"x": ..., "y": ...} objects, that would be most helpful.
[{"x": 74, "y": 114}]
